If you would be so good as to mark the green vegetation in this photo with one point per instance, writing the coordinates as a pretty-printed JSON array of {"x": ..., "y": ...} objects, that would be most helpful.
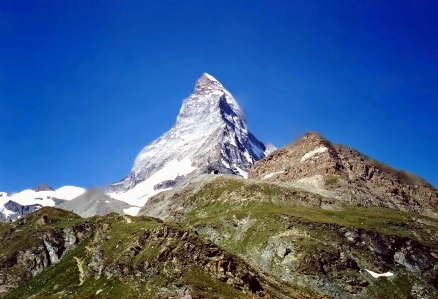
[{"x": 331, "y": 180}]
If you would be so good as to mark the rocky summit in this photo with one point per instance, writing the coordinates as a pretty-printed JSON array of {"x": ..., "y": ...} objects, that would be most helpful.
[{"x": 210, "y": 135}]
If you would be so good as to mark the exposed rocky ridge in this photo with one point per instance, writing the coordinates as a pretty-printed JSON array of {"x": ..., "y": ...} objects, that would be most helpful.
[
  {"x": 179, "y": 249},
  {"x": 175, "y": 204},
  {"x": 210, "y": 132},
  {"x": 349, "y": 175},
  {"x": 43, "y": 187}
]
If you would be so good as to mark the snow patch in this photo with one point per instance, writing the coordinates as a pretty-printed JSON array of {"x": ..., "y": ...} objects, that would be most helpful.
[
  {"x": 241, "y": 172},
  {"x": 377, "y": 275},
  {"x": 270, "y": 175},
  {"x": 97, "y": 293},
  {"x": 313, "y": 153},
  {"x": 225, "y": 163},
  {"x": 248, "y": 157},
  {"x": 133, "y": 211},
  {"x": 6, "y": 212}
]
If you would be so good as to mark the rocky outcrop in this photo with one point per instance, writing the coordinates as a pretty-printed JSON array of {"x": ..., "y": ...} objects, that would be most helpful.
[
  {"x": 350, "y": 175},
  {"x": 336, "y": 263},
  {"x": 43, "y": 187},
  {"x": 37, "y": 252},
  {"x": 20, "y": 210},
  {"x": 178, "y": 249}
]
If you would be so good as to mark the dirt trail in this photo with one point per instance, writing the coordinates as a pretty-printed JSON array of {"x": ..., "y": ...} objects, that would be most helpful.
[
  {"x": 81, "y": 270},
  {"x": 128, "y": 220}
]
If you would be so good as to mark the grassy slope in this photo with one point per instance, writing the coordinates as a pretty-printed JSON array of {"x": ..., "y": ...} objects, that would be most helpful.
[{"x": 221, "y": 220}]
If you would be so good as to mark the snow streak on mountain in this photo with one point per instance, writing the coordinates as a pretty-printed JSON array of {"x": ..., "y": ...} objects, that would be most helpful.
[{"x": 210, "y": 135}]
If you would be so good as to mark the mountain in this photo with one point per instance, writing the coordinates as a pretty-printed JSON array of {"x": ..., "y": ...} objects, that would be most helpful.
[
  {"x": 210, "y": 135},
  {"x": 315, "y": 164},
  {"x": 312, "y": 220},
  {"x": 16, "y": 205},
  {"x": 94, "y": 202}
]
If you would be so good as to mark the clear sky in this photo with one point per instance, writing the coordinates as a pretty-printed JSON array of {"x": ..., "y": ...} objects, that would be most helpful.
[{"x": 84, "y": 85}]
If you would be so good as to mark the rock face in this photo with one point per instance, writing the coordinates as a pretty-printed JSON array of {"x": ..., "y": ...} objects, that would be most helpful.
[
  {"x": 44, "y": 244},
  {"x": 43, "y": 187},
  {"x": 210, "y": 134},
  {"x": 20, "y": 210},
  {"x": 344, "y": 173}
]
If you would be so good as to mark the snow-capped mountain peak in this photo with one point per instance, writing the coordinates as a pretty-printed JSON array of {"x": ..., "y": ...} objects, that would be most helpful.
[{"x": 210, "y": 134}]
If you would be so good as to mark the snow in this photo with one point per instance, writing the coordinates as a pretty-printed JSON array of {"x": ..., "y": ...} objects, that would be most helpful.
[
  {"x": 313, "y": 152},
  {"x": 270, "y": 175},
  {"x": 106, "y": 201},
  {"x": 44, "y": 198},
  {"x": 210, "y": 77},
  {"x": 6, "y": 212},
  {"x": 377, "y": 275},
  {"x": 247, "y": 156},
  {"x": 225, "y": 163},
  {"x": 68, "y": 192},
  {"x": 29, "y": 197},
  {"x": 139, "y": 195},
  {"x": 241, "y": 172},
  {"x": 133, "y": 211},
  {"x": 97, "y": 293}
]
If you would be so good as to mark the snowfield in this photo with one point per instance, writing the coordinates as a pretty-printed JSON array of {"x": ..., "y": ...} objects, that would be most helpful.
[
  {"x": 140, "y": 194},
  {"x": 44, "y": 198}
]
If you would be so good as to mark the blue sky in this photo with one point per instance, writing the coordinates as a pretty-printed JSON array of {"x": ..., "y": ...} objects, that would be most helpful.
[{"x": 84, "y": 85}]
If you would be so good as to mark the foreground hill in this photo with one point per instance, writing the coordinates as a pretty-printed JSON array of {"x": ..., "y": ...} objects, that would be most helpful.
[{"x": 53, "y": 253}]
